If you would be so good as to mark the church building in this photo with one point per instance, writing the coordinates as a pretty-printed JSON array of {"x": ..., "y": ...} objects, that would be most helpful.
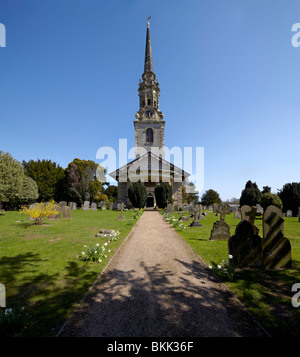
[{"x": 149, "y": 165}]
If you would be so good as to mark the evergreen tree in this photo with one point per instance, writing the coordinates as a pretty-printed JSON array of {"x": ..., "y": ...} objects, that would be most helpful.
[
  {"x": 290, "y": 197},
  {"x": 137, "y": 194},
  {"x": 47, "y": 175},
  {"x": 250, "y": 195},
  {"x": 210, "y": 197},
  {"x": 163, "y": 194}
]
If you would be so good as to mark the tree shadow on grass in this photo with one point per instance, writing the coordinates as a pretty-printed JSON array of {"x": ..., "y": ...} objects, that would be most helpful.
[
  {"x": 49, "y": 297},
  {"x": 158, "y": 303}
]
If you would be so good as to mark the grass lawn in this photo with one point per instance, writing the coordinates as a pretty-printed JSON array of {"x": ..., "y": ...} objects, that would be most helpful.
[
  {"x": 40, "y": 268},
  {"x": 266, "y": 293}
]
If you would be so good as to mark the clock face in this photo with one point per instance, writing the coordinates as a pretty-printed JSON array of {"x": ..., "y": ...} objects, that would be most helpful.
[{"x": 149, "y": 113}]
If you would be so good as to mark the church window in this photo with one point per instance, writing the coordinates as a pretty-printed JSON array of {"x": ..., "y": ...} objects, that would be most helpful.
[
  {"x": 149, "y": 101},
  {"x": 149, "y": 135}
]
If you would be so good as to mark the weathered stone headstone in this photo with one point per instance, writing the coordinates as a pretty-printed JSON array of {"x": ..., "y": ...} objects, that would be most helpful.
[
  {"x": 104, "y": 207},
  {"x": 57, "y": 209},
  {"x": 215, "y": 208},
  {"x": 176, "y": 208},
  {"x": 62, "y": 204},
  {"x": 289, "y": 213},
  {"x": 259, "y": 210},
  {"x": 121, "y": 217},
  {"x": 275, "y": 247},
  {"x": 245, "y": 246},
  {"x": 73, "y": 205},
  {"x": 191, "y": 211},
  {"x": 183, "y": 217},
  {"x": 66, "y": 212},
  {"x": 169, "y": 208},
  {"x": 119, "y": 206},
  {"x": 245, "y": 209},
  {"x": 221, "y": 229},
  {"x": 104, "y": 232},
  {"x": 111, "y": 206},
  {"x": 94, "y": 206},
  {"x": 86, "y": 205},
  {"x": 237, "y": 213},
  {"x": 196, "y": 223}
]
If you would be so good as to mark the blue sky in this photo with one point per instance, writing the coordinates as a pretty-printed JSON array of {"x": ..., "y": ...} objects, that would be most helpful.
[{"x": 228, "y": 73}]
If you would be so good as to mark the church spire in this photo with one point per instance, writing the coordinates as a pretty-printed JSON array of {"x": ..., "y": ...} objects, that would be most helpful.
[{"x": 148, "y": 52}]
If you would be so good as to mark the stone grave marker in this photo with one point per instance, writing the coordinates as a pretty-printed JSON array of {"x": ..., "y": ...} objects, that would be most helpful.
[
  {"x": 196, "y": 223},
  {"x": 121, "y": 217},
  {"x": 221, "y": 229},
  {"x": 56, "y": 215},
  {"x": 94, "y": 206},
  {"x": 104, "y": 208},
  {"x": 289, "y": 213},
  {"x": 86, "y": 205},
  {"x": 183, "y": 217},
  {"x": 245, "y": 209},
  {"x": 66, "y": 212},
  {"x": 237, "y": 213},
  {"x": 245, "y": 246},
  {"x": 111, "y": 206},
  {"x": 260, "y": 210},
  {"x": 62, "y": 204},
  {"x": 215, "y": 208},
  {"x": 275, "y": 247},
  {"x": 169, "y": 208},
  {"x": 73, "y": 205}
]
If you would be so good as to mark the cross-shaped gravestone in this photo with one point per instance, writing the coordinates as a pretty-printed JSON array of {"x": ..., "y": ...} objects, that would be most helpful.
[
  {"x": 121, "y": 217},
  {"x": 183, "y": 217},
  {"x": 223, "y": 211},
  {"x": 196, "y": 223}
]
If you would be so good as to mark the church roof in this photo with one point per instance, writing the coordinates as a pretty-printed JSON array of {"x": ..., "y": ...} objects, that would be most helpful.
[{"x": 166, "y": 168}]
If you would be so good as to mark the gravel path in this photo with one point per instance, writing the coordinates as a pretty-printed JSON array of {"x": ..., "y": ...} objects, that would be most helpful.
[{"x": 156, "y": 286}]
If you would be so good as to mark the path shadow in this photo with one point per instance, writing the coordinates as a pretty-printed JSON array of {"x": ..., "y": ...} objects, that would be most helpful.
[{"x": 159, "y": 305}]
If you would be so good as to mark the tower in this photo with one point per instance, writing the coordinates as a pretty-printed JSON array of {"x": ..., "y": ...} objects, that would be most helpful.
[{"x": 149, "y": 124}]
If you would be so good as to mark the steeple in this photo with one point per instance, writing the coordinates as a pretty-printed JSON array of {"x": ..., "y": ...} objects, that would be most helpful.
[
  {"x": 149, "y": 124},
  {"x": 148, "y": 52}
]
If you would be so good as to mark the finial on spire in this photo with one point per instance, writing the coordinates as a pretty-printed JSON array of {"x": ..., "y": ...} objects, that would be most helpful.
[{"x": 148, "y": 24}]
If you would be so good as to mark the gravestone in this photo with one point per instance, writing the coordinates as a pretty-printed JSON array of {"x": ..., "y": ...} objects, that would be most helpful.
[
  {"x": 55, "y": 215},
  {"x": 62, "y": 204},
  {"x": 176, "y": 208},
  {"x": 119, "y": 206},
  {"x": 104, "y": 207},
  {"x": 237, "y": 213},
  {"x": 105, "y": 232},
  {"x": 245, "y": 209},
  {"x": 183, "y": 217},
  {"x": 245, "y": 246},
  {"x": 86, "y": 205},
  {"x": 121, "y": 217},
  {"x": 260, "y": 210},
  {"x": 111, "y": 206},
  {"x": 249, "y": 213},
  {"x": 275, "y": 247},
  {"x": 169, "y": 208},
  {"x": 221, "y": 229},
  {"x": 66, "y": 212},
  {"x": 94, "y": 206},
  {"x": 73, "y": 205},
  {"x": 196, "y": 223},
  {"x": 215, "y": 208},
  {"x": 289, "y": 213},
  {"x": 191, "y": 211}
]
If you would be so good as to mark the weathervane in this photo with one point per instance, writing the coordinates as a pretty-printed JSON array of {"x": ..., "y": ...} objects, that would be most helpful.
[{"x": 148, "y": 21}]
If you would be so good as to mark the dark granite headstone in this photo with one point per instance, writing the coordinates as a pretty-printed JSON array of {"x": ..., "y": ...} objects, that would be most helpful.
[{"x": 245, "y": 246}]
